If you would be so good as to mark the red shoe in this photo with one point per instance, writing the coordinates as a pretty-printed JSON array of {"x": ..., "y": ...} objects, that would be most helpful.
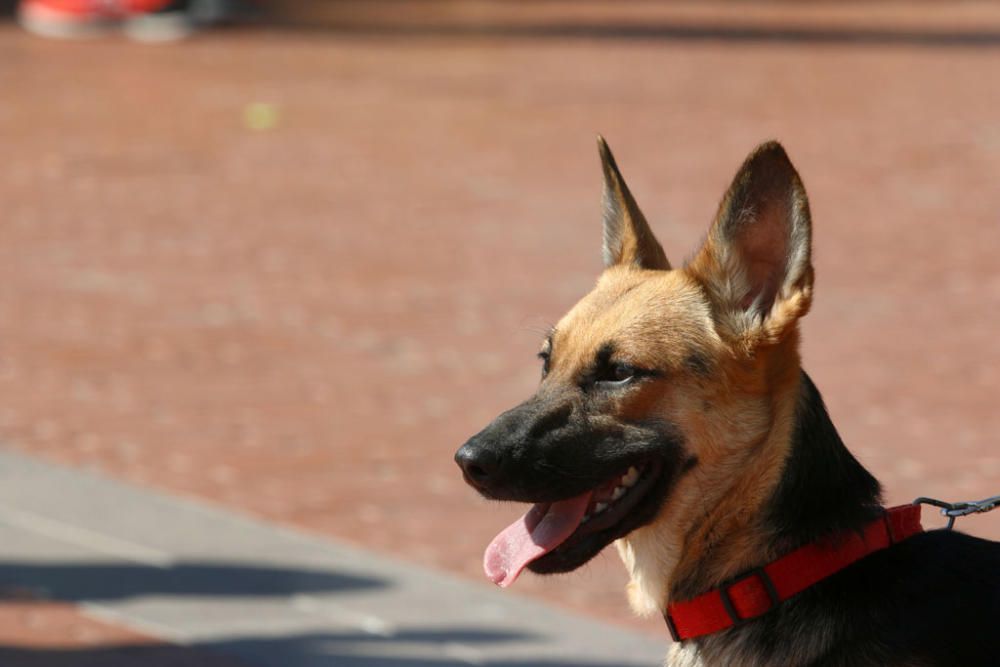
[{"x": 81, "y": 19}]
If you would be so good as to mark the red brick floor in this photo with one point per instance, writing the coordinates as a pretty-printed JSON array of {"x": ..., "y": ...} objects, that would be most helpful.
[{"x": 304, "y": 322}]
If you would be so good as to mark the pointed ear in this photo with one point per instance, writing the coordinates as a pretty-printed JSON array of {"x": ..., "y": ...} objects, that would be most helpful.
[
  {"x": 627, "y": 236},
  {"x": 756, "y": 262}
]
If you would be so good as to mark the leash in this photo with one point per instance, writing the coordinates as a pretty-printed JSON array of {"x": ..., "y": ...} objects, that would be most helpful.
[
  {"x": 955, "y": 510},
  {"x": 760, "y": 590}
]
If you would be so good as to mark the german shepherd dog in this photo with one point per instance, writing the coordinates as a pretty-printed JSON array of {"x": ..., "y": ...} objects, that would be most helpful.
[{"x": 674, "y": 419}]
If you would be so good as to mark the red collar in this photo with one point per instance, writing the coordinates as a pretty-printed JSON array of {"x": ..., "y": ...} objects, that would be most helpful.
[{"x": 764, "y": 588}]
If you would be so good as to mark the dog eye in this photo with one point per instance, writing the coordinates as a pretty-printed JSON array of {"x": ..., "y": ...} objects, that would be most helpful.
[
  {"x": 623, "y": 372},
  {"x": 617, "y": 374},
  {"x": 544, "y": 356}
]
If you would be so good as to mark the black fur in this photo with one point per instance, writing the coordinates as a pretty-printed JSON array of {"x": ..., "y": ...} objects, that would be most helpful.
[
  {"x": 931, "y": 600},
  {"x": 698, "y": 364},
  {"x": 823, "y": 490},
  {"x": 551, "y": 448}
]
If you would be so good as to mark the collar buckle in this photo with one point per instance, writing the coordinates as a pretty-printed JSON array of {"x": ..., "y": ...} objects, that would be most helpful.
[{"x": 766, "y": 584}]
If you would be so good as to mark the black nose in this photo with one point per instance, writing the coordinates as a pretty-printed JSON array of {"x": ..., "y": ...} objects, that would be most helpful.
[{"x": 480, "y": 464}]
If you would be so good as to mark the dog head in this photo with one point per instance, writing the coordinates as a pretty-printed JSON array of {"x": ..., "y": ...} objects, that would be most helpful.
[{"x": 658, "y": 390}]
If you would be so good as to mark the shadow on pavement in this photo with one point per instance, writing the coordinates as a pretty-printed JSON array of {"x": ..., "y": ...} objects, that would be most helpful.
[
  {"x": 680, "y": 32},
  {"x": 387, "y": 25},
  {"x": 409, "y": 649},
  {"x": 154, "y": 655},
  {"x": 79, "y": 582},
  {"x": 517, "y": 19},
  {"x": 76, "y": 582}
]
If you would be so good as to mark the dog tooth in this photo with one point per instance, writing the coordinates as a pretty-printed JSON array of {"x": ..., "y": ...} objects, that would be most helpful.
[
  {"x": 631, "y": 477},
  {"x": 600, "y": 507},
  {"x": 618, "y": 493}
]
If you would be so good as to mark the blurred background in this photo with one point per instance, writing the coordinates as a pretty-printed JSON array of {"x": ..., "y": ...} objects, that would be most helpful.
[{"x": 279, "y": 260}]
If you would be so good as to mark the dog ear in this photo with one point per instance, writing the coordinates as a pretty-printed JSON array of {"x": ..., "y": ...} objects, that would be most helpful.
[
  {"x": 627, "y": 236},
  {"x": 755, "y": 263}
]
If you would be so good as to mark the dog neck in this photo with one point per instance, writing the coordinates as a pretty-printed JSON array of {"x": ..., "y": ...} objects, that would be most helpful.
[
  {"x": 815, "y": 488},
  {"x": 824, "y": 490}
]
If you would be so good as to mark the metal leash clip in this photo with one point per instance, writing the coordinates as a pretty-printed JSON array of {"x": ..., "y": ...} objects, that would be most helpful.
[{"x": 955, "y": 510}]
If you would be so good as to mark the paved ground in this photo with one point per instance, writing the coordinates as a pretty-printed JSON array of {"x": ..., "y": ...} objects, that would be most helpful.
[
  {"x": 214, "y": 583},
  {"x": 301, "y": 309}
]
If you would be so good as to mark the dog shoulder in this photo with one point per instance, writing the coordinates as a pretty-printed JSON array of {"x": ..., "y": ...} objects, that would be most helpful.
[{"x": 935, "y": 596}]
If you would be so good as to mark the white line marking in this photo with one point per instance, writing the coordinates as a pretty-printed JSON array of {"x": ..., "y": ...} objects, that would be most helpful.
[
  {"x": 466, "y": 654},
  {"x": 368, "y": 623},
  {"x": 84, "y": 537},
  {"x": 149, "y": 628}
]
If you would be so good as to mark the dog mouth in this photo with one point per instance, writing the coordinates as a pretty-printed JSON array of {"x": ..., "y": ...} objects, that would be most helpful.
[{"x": 562, "y": 535}]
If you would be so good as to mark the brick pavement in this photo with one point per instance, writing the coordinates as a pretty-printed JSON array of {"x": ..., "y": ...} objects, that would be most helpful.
[{"x": 304, "y": 322}]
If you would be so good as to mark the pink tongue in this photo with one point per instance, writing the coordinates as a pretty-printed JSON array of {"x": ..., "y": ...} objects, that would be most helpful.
[{"x": 538, "y": 532}]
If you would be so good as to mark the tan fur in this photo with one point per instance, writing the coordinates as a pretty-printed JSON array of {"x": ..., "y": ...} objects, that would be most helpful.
[
  {"x": 673, "y": 414},
  {"x": 730, "y": 371},
  {"x": 737, "y": 422}
]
